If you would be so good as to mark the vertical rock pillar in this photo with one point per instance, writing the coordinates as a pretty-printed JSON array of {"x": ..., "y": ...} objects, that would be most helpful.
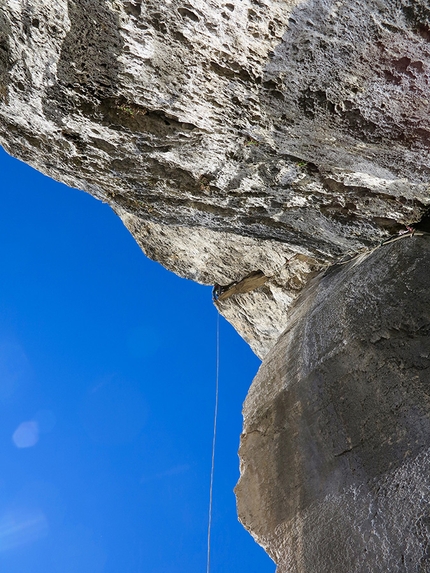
[{"x": 335, "y": 451}]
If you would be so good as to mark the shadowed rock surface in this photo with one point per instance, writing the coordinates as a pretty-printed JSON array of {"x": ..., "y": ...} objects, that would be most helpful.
[
  {"x": 335, "y": 459},
  {"x": 280, "y": 137}
]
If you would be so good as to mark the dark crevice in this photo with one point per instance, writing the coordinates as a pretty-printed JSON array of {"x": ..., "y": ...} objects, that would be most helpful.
[
  {"x": 133, "y": 8},
  {"x": 5, "y": 56},
  {"x": 424, "y": 223},
  {"x": 230, "y": 73}
]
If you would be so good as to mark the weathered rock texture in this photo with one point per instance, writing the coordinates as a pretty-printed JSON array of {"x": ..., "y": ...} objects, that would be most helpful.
[
  {"x": 335, "y": 458},
  {"x": 278, "y": 136},
  {"x": 269, "y": 135}
]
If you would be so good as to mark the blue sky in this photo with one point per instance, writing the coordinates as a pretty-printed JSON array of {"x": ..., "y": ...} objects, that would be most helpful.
[{"x": 107, "y": 373}]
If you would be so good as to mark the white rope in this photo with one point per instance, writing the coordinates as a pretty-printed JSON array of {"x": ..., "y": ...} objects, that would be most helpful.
[{"x": 208, "y": 564}]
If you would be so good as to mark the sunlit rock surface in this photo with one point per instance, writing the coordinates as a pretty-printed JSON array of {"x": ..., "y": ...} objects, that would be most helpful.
[
  {"x": 335, "y": 459},
  {"x": 294, "y": 130},
  {"x": 278, "y": 137}
]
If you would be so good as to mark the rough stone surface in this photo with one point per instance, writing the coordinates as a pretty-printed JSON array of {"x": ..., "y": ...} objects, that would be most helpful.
[
  {"x": 335, "y": 458},
  {"x": 280, "y": 136},
  {"x": 205, "y": 256},
  {"x": 300, "y": 128}
]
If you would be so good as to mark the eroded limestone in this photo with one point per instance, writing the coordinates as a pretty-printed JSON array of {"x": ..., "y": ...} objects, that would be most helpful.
[{"x": 300, "y": 124}]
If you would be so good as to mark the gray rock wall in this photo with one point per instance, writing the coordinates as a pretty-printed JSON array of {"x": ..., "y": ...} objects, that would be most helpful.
[
  {"x": 279, "y": 136},
  {"x": 296, "y": 130},
  {"x": 335, "y": 462}
]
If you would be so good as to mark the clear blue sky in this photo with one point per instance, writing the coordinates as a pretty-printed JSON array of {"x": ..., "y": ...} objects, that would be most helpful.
[{"x": 107, "y": 373}]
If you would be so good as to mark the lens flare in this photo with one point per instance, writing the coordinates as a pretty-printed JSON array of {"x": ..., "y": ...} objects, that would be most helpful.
[
  {"x": 19, "y": 527},
  {"x": 26, "y": 435}
]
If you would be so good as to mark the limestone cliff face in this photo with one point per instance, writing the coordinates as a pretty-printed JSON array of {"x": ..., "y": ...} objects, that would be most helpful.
[
  {"x": 335, "y": 458},
  {"x": 229, "y": 136},
  {"x": 279, "y": 136}
]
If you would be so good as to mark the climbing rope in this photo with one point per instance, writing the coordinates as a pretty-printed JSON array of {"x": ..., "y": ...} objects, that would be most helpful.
[
  {"x": 208, "y": 563},
  {"x": 217, "y": 291}
]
